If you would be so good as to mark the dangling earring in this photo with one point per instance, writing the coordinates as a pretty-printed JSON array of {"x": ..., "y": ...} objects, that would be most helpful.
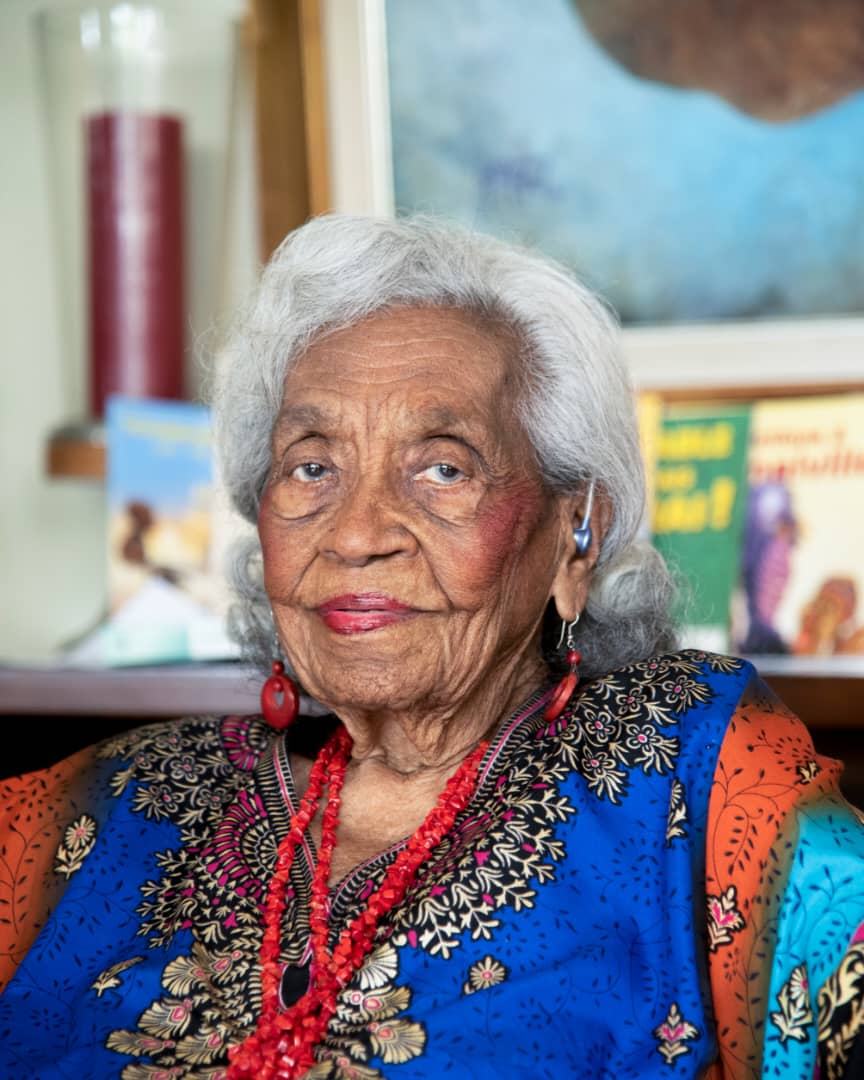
[
  {"x": 280, "y": 698},
  {"x": 564, "y": 690}
]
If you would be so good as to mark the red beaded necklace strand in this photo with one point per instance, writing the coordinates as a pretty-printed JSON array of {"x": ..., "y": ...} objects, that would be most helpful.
[{"x": 282, "y": 1045}]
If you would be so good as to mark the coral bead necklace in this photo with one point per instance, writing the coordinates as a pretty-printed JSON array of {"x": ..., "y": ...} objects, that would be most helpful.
[{"x": 283, "y": 1043}]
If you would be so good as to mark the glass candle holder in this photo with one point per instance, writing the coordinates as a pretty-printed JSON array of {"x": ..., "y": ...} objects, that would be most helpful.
[{"x": 138, "y": 105}]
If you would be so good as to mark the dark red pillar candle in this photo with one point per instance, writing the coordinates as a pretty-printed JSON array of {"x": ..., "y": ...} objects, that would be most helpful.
[{"x": 135, "y": 219}]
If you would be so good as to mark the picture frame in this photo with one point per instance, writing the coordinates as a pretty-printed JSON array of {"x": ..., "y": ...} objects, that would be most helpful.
[{"x": 729, "y": 358}]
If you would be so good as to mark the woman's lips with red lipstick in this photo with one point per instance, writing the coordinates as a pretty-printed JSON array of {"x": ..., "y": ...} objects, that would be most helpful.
[{"x": 359, "y": 613}]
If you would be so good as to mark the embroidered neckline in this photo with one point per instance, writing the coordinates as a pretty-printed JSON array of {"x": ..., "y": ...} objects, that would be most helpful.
[
  {"x": 343, "y": 893},
  {"x": 284, "y": 1040}
]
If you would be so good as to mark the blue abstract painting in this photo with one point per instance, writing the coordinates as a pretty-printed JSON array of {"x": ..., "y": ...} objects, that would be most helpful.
[{"x": 672, "y": 200}]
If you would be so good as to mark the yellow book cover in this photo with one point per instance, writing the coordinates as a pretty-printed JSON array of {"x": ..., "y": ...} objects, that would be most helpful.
[
  {"x": 802, "y": 558},
  {"x": 649, "y": 413}
]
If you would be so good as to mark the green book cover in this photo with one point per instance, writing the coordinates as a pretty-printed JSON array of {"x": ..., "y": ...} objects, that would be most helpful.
[{"x": 699, "y": 504}]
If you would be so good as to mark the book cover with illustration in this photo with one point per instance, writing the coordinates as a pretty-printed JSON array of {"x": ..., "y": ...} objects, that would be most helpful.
[
  {"x": 167, "y": 534},
  {"x": 802, "y": 558},
  {"x": 699, "y": 502}
]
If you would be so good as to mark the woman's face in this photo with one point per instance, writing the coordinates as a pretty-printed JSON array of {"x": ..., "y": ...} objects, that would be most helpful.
[{"x": 409, "y": 545}]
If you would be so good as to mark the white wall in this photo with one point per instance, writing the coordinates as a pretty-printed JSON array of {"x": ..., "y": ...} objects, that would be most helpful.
[{"x": 52, "y": 532}]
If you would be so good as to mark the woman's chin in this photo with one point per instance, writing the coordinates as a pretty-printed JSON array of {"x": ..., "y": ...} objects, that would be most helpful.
[
  {"x": 370, "y": 687},
  {"x": 349, "y": 700}
]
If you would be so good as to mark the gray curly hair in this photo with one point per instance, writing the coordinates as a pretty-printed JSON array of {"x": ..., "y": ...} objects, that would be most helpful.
[{"x": 577, "y": 406}]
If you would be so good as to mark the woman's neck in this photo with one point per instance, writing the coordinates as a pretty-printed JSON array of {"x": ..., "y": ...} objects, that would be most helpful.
[
  {"x": 401, "y": 762},
  {"x": 433, "y": 737}
]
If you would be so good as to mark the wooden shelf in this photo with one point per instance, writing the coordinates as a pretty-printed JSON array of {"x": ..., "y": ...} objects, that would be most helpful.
[
  {"x": 825, "y": 691},
  {"x": 809, "y": 667},
  {"x": 158, "y": 691},
  {"x": 822, "y": 692},
  {"x": 757, "y": 392},
  {"x": 77, "y": 452}
]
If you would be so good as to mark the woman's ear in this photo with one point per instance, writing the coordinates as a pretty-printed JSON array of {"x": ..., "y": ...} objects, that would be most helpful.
[{"x": 584, "y": 521}]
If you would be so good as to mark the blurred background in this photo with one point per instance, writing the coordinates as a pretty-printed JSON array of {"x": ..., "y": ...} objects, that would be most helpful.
[{"x": 702, "y": 166}]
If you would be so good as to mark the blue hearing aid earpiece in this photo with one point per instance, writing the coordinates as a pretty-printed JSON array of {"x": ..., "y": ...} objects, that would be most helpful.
[{"x": 583, "y": 535}]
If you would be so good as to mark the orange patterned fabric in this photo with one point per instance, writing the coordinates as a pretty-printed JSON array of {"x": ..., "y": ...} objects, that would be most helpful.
[
  {"x": 35, "y": 811},
  {"x": 767, "y": 767}
]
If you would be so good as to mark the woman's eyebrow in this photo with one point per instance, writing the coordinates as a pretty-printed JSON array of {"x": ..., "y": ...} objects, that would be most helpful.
[
  {"x": 443, "y": 423},
  {"x": 438, "y": 420},
  {"x": 429, "y": 422},
  {"x": 294, "y": 417}
]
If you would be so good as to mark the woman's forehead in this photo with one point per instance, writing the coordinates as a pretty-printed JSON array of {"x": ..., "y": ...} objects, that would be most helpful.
[
  {"x": 402, "y": 341},
  {"x": 433, "y": 358}
]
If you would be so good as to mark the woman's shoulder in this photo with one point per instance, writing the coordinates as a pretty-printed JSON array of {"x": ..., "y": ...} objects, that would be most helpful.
[
  {"x": 235, "y": 741},
  {"x": 687, "y": 662},
  {"x": 716, "y": 713},
  {"x": 680, "y": 716},
  {"x": 643, "y": 730},
  {"x": 51, "y": 820},
  {"x": 675, "y": 686}
]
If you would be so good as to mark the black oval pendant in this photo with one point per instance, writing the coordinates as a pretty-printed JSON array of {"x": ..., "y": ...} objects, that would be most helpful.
[{"x": 294, "y": 984}]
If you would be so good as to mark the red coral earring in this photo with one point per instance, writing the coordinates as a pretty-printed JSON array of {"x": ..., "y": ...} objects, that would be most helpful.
[
  {"x": 564, "y": 690},
  {"x": 280, "y": 698}
]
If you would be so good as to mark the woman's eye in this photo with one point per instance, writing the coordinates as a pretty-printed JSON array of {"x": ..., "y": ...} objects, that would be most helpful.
[
  {"x": 310, "y": 470},
  {"x": 442, "y": 473}
]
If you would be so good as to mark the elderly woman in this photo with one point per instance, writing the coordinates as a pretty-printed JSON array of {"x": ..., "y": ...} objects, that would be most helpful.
[{"x": 526, "y": 839}]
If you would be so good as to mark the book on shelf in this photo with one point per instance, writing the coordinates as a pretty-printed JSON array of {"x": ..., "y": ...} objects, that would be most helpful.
[
  {"x": 168, "y": 531},
  {"x": 649, "y": 415},
  {"x": 802, "y": 553},
  {"x": 699, "y": 500}
]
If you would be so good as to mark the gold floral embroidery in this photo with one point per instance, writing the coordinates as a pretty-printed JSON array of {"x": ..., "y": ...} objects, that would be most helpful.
[
  {"x": 110, "y": 978},
  {"x": 497, "y": 859},
  {"x": 485, "y": 974},
  {"x": 724, "y": 918},
  {"x": 342, "y": 1067},
  {"x": 137, "y": 1043},
  {"x": 623, "y": 720},
  {"x": 396, "y": 1041},
  {"x": 794, "y": 1016},
  {"x": 841, "y": 1013},
  {"x": 156, "y": 1072},
  {"x": 807, "y": 771},
  {"x": 78, "y": 841},
  {"x": 367, "y": 1023},
  {"x": 184, "y": 1028},
  {"x": 678, "y": 815},
  {"x": 487, "y": 865},
  {"x": 673, "y": 1034},
  {"x": 212, "y": 992}
]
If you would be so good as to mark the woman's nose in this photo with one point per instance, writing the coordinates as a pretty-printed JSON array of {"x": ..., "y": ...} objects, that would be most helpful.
[{"x": 369, "y": 524}]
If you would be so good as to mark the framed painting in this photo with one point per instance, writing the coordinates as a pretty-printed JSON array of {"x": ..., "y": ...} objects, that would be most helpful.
[{"x": 703, "y": 171}]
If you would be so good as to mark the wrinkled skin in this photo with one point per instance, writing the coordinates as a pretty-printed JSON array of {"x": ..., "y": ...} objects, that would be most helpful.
[{"x": 400, "y": 469}]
